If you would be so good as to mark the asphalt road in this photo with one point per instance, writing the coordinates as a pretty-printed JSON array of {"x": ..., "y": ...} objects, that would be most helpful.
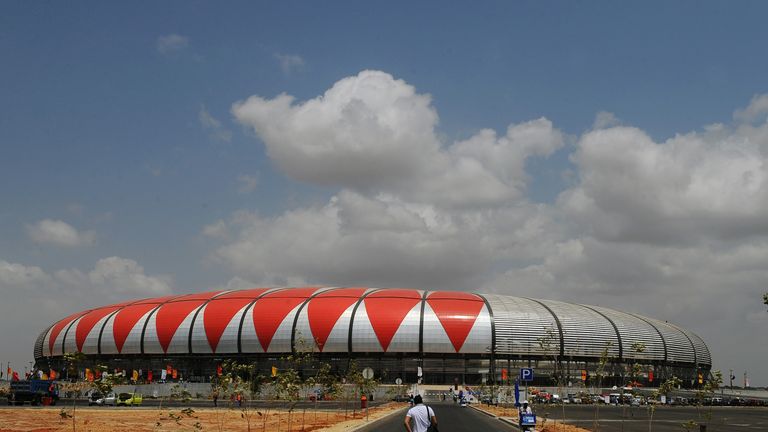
[
  {"x": 665, "y": 419},
  {"x": 450, "y": 418}
]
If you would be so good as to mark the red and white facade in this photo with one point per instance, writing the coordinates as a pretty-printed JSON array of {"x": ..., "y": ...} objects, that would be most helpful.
[
  {"x": 276, "y": 320},
  {"x": 446, "y": 332}
]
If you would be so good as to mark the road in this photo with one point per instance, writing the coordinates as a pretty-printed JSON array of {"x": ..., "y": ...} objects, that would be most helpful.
[
  {"x": 665, "y": 419},
  {"x": 450, "y": 418}
]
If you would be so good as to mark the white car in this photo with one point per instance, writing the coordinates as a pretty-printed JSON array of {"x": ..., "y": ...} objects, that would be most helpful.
[{"x": 110, "y": 399}]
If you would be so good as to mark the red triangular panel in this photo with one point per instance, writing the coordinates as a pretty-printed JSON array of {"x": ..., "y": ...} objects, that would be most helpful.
[
  {"x": 87, "y": 322},
  {"x": 457, "y": 313},
  {"x": 386, "y": 315},
  {"x": 218, "y": 313},
  {"x": 170, "y": 316},
  {"x": 126, "y": 319},
  {"x": 324, "y": 310},
  {"x": 59, "y": 327},
  {"x": 270, "y": 311}
]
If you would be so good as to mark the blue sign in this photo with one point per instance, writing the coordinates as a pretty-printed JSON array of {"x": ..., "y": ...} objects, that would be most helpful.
[
  {"x": 526, "y": 374},
  {"x": 528, "y": 420}
]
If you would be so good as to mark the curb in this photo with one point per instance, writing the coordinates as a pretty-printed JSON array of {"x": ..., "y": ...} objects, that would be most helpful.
[{"x": 365, "y": 425}]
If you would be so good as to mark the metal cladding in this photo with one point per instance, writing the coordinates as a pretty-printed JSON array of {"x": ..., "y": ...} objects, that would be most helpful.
[{"x": 367, "y": 320}]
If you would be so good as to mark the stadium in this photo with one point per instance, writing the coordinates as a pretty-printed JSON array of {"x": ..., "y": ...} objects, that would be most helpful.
[{"x": 435, "y": 337}]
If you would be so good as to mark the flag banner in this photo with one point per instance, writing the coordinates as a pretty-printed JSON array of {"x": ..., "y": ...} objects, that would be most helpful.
[
  {"x": 15, "y": 376},
  {"x": 149, "y": 375},
  {"x": 504, "y": 375},
  {"x": 650, "y": 376},
  {"x": 517, "y": 393},
  {"x": 219, "y": 370},
  {"x": 163, "y": 374},
  {"x": 135, "y": 376},
  {"x": 274, "y": 371},
  {"x": 175, "y": 374},
  {"x": 52, "y": 374},
  {"x": 168, "y": 369}
]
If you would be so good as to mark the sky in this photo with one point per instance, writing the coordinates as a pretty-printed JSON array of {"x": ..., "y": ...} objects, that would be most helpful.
[{"x": 603, "y": 153}]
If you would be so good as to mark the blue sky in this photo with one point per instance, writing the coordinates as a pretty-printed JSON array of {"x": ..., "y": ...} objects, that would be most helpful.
[{"x": 118, "y": 128}]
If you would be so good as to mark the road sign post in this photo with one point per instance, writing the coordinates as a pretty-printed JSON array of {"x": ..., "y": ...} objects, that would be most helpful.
[{"x": 526, "y": 376}]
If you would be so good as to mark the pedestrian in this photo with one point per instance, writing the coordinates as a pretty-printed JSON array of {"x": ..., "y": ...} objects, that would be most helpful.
[
  {"x": 422, "y": 416},
  {"x": 525, "y": 409},
  {"x": 239, "y": 400},
  {"x": 216, "y": 398}
]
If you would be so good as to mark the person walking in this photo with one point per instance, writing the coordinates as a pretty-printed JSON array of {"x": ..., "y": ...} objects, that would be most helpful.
[{"x": 422, "y": 416}]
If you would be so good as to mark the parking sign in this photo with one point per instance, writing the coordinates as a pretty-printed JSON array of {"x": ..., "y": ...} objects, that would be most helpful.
[{"x": 526, "y": 374}]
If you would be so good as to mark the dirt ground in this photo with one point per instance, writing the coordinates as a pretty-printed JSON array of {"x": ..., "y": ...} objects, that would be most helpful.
[
  {"x": 57, "y": 419},
  {"x": 548, "y": 426}
]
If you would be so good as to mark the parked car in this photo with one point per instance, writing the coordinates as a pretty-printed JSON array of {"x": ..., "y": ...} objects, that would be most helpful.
[
  {"x": 99, "y": 399},
  {"x": 93, "y": 398},
  {"x": 129, "y": 399}
]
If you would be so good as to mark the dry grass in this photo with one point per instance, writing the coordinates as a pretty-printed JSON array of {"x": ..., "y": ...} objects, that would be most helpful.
[
  {"x": 49, "y": 419},
  {"x": 549, "y": 426}
]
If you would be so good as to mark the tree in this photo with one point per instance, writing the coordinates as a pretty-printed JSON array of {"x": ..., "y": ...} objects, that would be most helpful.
[
  {"x": 548, "y": 346},
  {"x": 600, "y": 374},
  {"x": 237, "y": 380},
  {"x": 72, "y": 386},
  {"x": 707, "y": 392},
  {"x": 664, "y": 390}
]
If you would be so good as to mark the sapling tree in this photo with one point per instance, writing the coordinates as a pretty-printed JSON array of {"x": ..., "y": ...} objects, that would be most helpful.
[
  {"x": 599, "y": 375},
  {"x": 707, "y": 392},
  {"x": 634, "y": 374},
  {"x": 664, "y": 389},
  {"x": 237, "y": 381},
  {"x": 552, "y": 350},
  {"x": 74, "y": 387}
]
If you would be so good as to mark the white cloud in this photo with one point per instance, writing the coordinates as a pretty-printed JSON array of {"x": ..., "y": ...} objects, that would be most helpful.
[
  {"x": 756, "y": 110},
  {"x": 33, "y": 299},
  {"x": 20, "y": 277},
  {"x": 59, "y": 233},
  {"x": 375, "y": 134},
  {"x": 171, "y": 43},
  {"x": 604, "y": 120},
  {"x": 289, "y": 62},
  {"x": 216, "y": 130},
  {"x": 692, "y": 187}
]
